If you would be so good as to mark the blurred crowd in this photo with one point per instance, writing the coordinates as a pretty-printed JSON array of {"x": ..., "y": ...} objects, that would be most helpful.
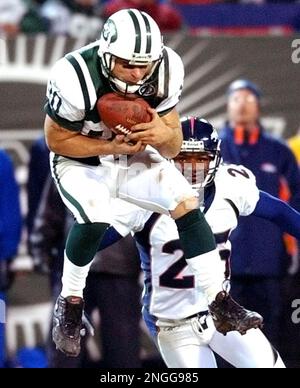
[
  {"x": 84, "y": 18},
  {"x": 76, "y": 18}
]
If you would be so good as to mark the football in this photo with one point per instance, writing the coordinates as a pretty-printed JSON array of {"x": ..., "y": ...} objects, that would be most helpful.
[{"x": 120, "y": 113}]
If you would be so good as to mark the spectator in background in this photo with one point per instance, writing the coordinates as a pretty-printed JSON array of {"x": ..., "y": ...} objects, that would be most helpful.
[
  {"x": 11, "y": 15},
  {"x": 294, "y": 143},
  {"x": 10, "y": 235},
  {"x": 165, "y": 15},
  {"x": 75, "y": 18},
  {"x": 19, "y": 16},
  {"x": 259, "y": 255},
  {"x": 33, "y": 21}
]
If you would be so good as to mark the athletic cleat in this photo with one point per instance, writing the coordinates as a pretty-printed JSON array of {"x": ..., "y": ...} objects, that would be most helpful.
[
  {"x": 228, "y": 315},
  {"x": 67, "y": 324}
]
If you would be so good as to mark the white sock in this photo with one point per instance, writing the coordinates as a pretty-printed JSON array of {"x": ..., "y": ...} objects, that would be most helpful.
[
  {"x": 74, "y": 278},
  {"x": 209, "y": 271}
]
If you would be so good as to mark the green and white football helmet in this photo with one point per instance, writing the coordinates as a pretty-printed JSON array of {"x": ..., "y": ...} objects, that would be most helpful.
[{"x": 134, "y": 36}]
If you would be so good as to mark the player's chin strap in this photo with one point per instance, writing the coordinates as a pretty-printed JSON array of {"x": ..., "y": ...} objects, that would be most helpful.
[{"x": 123, "y": 87}]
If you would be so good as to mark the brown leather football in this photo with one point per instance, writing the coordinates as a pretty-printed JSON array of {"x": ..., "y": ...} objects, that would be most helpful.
[{"x": 120, "y": 113}]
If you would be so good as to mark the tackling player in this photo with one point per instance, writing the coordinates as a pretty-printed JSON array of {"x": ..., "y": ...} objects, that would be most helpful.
[{"x": 174, "y": 306}]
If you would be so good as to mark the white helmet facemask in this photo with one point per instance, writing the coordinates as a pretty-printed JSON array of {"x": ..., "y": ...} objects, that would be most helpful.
[{"x": 135, "y": 37}]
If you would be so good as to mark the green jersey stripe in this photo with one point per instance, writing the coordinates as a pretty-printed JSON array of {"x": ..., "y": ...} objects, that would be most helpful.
[
  {"x": 67, "y": 195},
  {"x": 82, "y": 81}
]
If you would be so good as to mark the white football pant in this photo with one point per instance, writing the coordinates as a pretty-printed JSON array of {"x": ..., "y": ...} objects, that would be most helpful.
[
  {"x": 145, "y": 179},
  {"x": 185, "y": 344}
]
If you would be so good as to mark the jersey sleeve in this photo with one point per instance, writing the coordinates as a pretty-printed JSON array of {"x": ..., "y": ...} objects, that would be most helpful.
[
  {"x": 173, "y": 71},
  {"x": 239, "y": 186},
  {"x": 65, "y": 101}
]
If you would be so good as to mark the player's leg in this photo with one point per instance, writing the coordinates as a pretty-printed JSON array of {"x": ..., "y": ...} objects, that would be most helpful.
[
  {"x": 185, "y": 345},
  {"x": 279, "y": 364},
  {"x": 251, "y": 350},
  {"x": 84, "y": 191},
  {"x": 56, "y": 358},
  {"x": 187, "y": 356}
]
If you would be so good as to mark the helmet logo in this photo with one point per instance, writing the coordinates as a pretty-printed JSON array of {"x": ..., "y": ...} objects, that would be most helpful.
[
  {"x": 109, "y": 31},
  {"x": 192, "y": 145},
  {"x": 147, "y": 90}
]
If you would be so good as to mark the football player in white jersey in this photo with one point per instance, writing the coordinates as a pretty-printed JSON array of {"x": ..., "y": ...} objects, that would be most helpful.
[
  {"x": 175, "y": 308},
  {"x": 87, "y": 161}
]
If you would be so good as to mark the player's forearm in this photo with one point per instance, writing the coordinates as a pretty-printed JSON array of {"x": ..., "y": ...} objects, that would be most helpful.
[
  {"x": 172, "y": 139},
  {"x": 73, "y": 144},
  {"x": 80, "y": 146}
]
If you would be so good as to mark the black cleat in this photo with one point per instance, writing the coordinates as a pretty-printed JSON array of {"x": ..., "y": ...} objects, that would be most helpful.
[
  {"x": 67, "y": 324},
  {"x": 228, "y": 315}
]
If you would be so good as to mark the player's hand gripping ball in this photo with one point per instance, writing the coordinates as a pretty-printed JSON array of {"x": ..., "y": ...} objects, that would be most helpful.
[{"x": 120, "y": 113}]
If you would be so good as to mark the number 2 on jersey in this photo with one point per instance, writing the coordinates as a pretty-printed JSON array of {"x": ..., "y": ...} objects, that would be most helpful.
[
  {"x": 234, "y": 171},
  {"x": 170, "y": 278}
]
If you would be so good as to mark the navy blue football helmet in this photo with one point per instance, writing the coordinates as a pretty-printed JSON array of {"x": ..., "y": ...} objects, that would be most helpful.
[{"x": 199, "y": 137}]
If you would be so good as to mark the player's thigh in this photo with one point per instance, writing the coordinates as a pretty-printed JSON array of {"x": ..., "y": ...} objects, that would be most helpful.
[
  {"x": 251, "y": 350},
  {"x": 153, "y": 183},
  {"x": 84, "y": 189},
  {"x": 182, "y": 347}
]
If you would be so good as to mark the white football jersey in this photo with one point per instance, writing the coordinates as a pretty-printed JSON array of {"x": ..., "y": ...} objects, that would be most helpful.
[
  {"x": 76, "y": 82},
  {"x": 170, "y": 288}
]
